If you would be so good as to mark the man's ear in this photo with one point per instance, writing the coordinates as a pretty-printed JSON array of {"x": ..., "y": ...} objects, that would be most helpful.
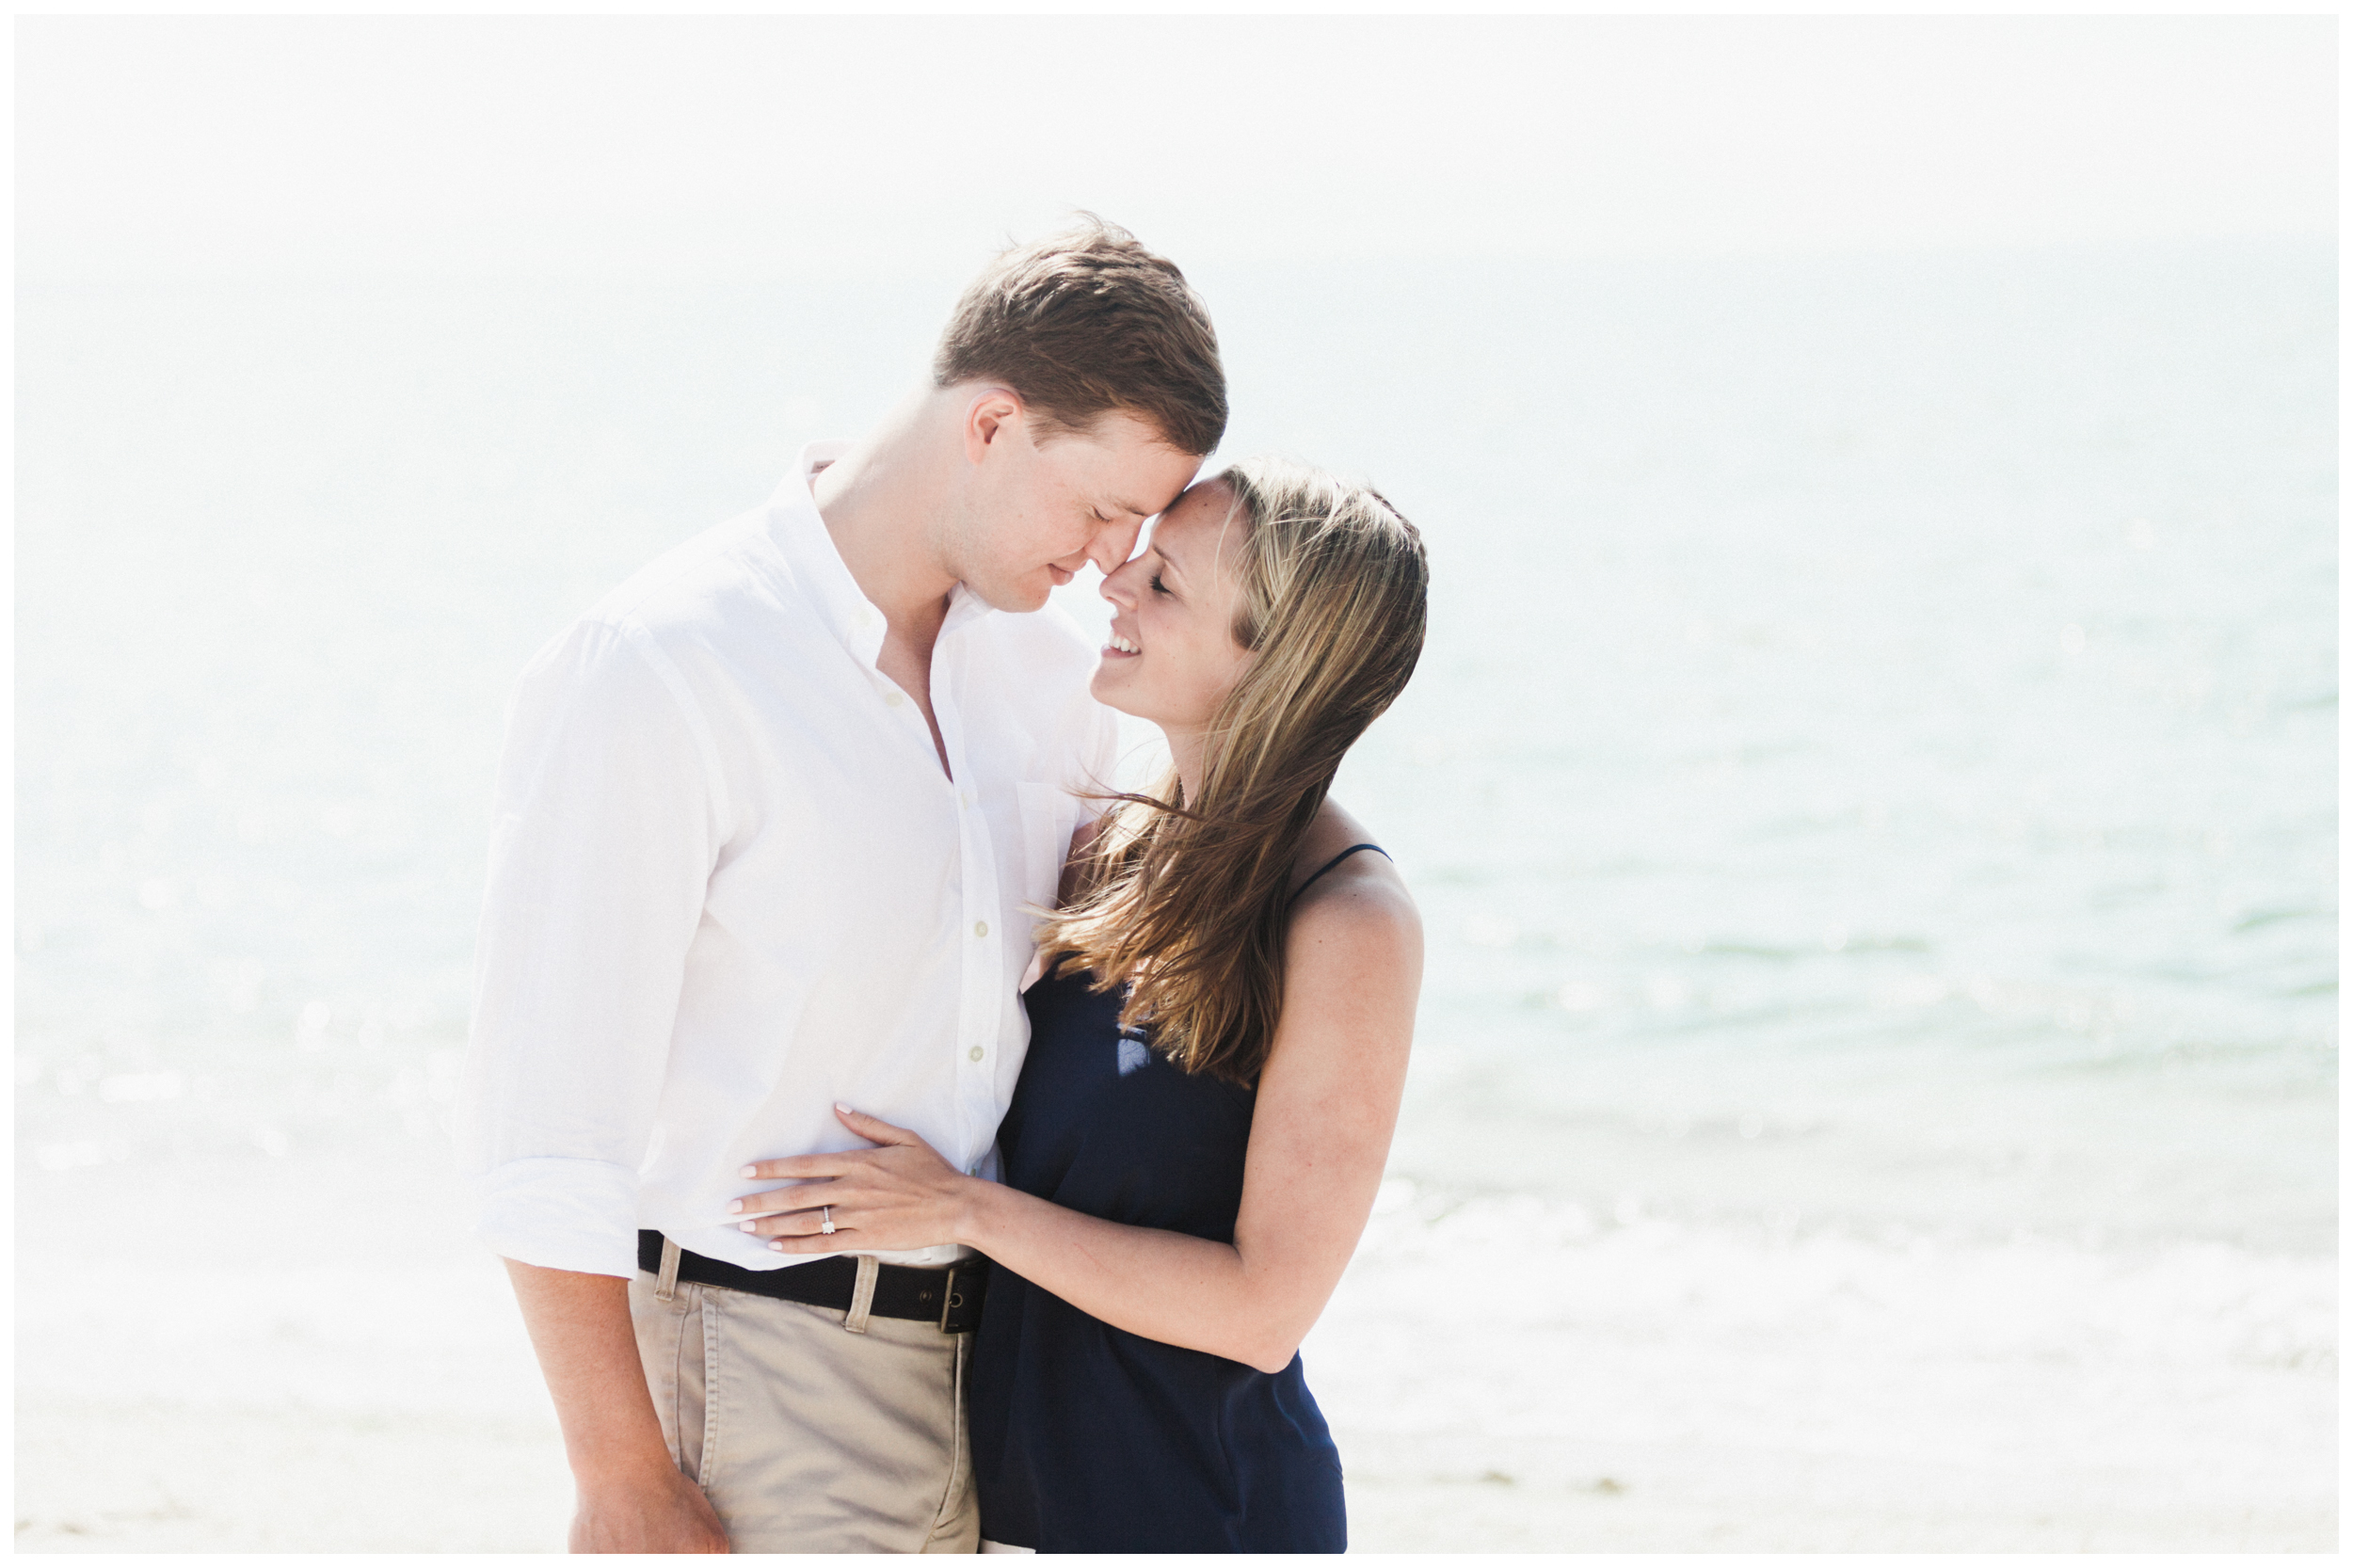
[{"x": 994, "y": 416}]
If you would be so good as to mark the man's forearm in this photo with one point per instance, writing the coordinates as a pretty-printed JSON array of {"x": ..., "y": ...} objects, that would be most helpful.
[{"x": 580, "y": 1326}]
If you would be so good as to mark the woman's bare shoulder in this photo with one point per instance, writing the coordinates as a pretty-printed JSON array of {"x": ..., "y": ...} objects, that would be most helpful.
[
  {"x": 1363, "y": 901},
  {"x": 1352, "y": 973}
]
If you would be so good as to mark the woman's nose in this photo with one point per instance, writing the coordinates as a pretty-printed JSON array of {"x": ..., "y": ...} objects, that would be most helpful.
[{"x": 1116, "y": 587}]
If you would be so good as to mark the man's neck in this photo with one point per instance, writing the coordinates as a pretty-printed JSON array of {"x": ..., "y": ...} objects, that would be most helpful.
[{"x": 881, "y": 500}]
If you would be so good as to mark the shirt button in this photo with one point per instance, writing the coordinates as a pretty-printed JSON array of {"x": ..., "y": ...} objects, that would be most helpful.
[
  {"x": 895, "y": 698},
  {"x": 976, "y": 1053},
  {"x": 980, "y": 928}
]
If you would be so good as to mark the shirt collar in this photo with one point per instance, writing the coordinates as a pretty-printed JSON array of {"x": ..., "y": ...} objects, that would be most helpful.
[{"x": 801, "y": 535}]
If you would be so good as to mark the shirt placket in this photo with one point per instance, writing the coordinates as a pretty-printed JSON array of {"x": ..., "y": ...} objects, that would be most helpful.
[
  {"x": 977, "y": 1017},
  {"x": 976, "y": 1036}
]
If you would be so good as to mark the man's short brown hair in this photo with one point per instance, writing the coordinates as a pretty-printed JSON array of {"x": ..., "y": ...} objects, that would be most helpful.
[{"x": 1085, "y": 322}]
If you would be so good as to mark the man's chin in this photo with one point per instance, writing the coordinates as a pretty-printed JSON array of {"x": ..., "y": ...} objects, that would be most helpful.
[{"x": 1019, "y": 599}]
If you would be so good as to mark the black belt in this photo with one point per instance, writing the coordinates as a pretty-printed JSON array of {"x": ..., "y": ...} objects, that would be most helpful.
[{"x": 950, "y": 1297}]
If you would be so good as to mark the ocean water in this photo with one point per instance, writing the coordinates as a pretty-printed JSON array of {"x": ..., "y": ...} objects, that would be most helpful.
[{"x": 1870, "y": 788}]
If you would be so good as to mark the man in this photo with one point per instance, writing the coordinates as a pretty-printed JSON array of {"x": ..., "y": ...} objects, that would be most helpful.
[{"x": 768, "y": 826}]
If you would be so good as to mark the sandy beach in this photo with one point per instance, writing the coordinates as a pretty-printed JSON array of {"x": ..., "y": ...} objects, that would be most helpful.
[{"x": 1666, "y": 1389}]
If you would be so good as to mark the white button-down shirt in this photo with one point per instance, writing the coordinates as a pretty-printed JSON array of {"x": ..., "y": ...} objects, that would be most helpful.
[{"x": 731, "y": 885}]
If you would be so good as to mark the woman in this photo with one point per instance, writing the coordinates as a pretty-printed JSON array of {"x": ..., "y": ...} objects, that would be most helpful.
[{"x": 1218, "y": 1049}]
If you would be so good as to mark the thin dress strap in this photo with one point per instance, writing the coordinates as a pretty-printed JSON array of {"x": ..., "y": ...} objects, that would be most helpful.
[{"x": 1336, "y": 860}]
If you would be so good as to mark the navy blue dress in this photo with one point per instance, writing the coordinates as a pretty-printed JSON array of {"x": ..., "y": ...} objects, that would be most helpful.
[{"x": 1087, "y": 1438}]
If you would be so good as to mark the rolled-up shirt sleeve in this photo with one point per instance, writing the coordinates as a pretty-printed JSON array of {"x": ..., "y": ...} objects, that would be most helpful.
[{"x": 609, "y": 814}]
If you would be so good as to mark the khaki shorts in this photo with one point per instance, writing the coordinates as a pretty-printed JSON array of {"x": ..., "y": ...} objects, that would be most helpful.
[{"x": 805, "y": 1435}]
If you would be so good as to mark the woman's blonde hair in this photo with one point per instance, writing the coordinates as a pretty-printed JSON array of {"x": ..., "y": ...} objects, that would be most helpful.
[{"x": 1188, "y": 901}]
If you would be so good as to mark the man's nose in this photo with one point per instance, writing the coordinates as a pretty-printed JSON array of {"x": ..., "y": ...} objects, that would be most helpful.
[{"x": 1112, "y": 544}]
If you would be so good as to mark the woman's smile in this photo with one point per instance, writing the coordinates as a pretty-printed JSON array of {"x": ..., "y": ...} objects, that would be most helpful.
[{"x": 1182, "y": 590}]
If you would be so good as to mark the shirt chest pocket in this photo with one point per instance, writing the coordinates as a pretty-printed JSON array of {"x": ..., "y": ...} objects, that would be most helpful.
[{"x": 1048, "y": 816}]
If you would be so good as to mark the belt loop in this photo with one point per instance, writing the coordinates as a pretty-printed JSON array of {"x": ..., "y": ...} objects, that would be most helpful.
[
  {"x": 665, "y": 1285},
  {"x": 862, "y": 1294},
  {"x": 966, "y": 1287}
]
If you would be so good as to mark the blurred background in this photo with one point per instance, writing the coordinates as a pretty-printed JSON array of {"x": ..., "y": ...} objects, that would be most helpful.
[{"x": 1871, "y": 786}]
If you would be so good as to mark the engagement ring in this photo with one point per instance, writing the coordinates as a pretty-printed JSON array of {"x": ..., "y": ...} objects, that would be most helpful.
[{"x": 825, "y": 1209}]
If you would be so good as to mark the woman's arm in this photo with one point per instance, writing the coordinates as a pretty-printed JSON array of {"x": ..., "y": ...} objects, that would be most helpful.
[{"x": 1327, "y": 1106}]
